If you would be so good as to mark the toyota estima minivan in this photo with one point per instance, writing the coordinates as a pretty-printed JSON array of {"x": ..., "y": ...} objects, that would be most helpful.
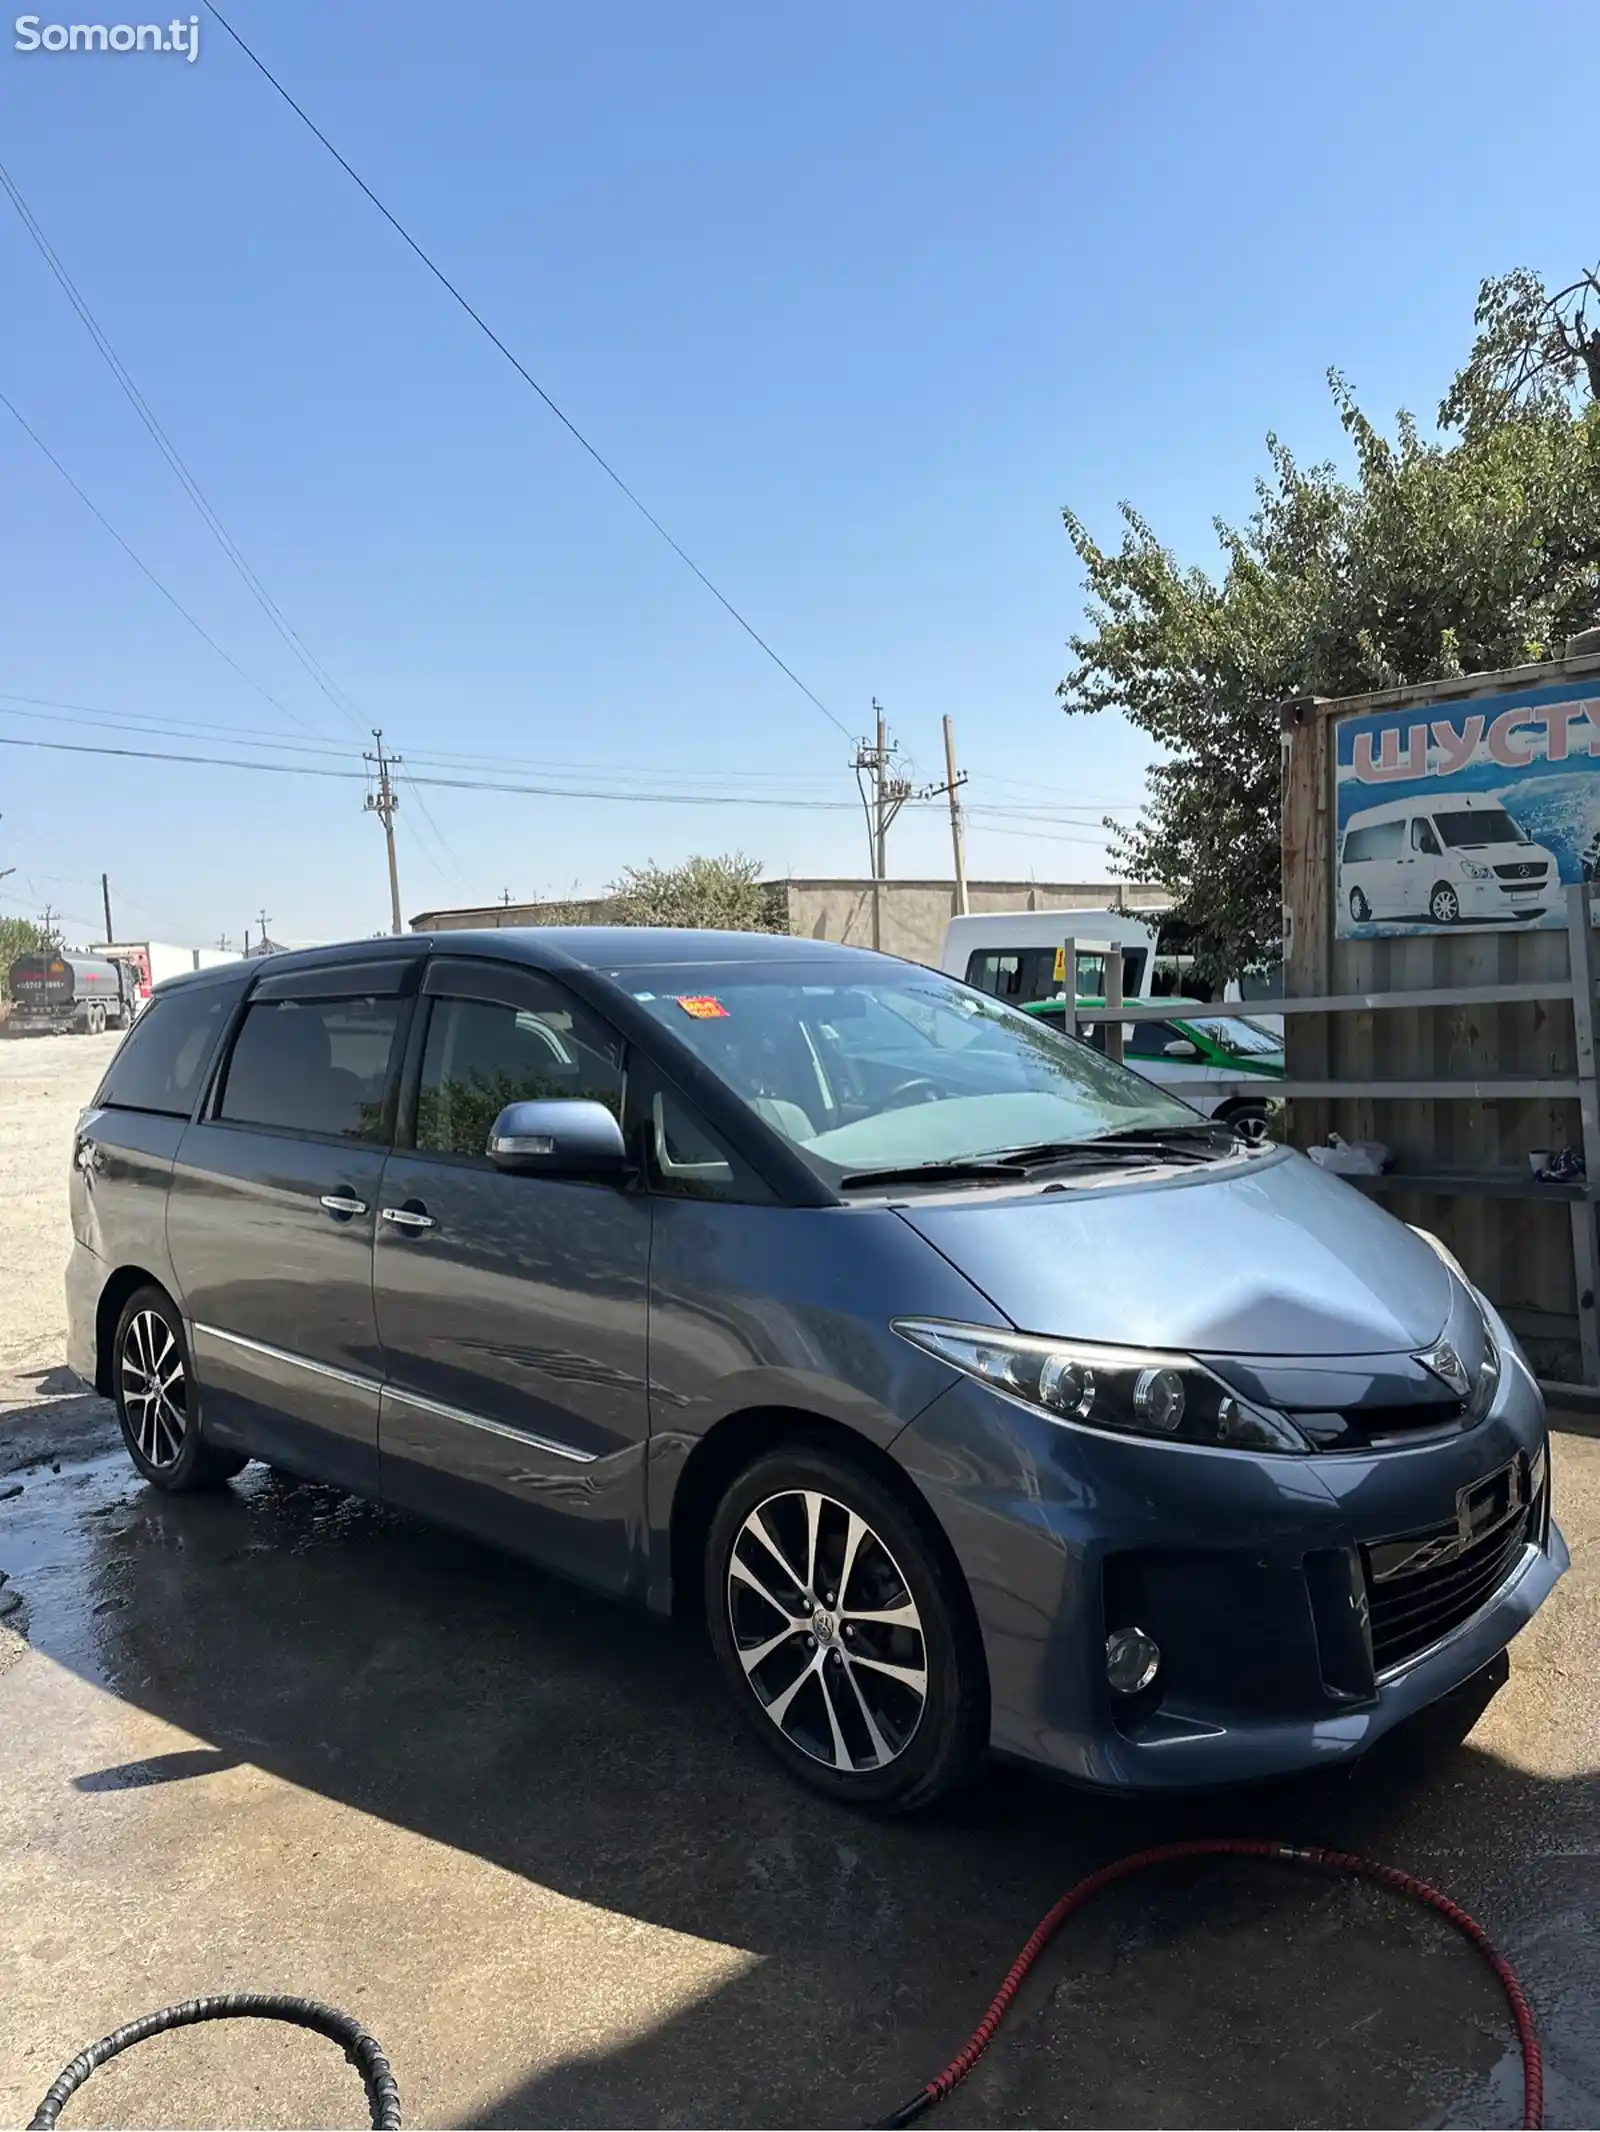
[
  {"x": 1443, "y": 860},
  {"x": 978, "y": 1392}
]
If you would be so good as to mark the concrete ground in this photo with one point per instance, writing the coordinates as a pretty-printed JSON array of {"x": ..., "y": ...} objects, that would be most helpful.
[{"x": 278, "y": 1739}]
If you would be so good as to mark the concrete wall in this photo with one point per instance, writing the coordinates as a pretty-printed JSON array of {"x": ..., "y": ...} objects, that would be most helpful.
[
  {"x": 584, "y": 910},
  {"x": 914, "y": 913}
]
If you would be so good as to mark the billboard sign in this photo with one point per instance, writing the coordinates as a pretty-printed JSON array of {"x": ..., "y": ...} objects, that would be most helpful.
[{"x": 1475, "y": 814}]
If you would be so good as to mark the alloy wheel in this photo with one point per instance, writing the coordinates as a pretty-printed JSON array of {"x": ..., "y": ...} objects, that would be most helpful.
[
  {"x": 1445, "y": 906},
  {"x": 827, "y": 1631},
  {"x": 154, "y": 1388}
]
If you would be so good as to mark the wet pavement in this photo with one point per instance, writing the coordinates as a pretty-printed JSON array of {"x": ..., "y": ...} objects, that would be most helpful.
[{"x": 277, "y": 1739}]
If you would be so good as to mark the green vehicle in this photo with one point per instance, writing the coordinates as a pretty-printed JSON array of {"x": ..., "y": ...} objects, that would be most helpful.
[{"x": 1194, "y": 1053}]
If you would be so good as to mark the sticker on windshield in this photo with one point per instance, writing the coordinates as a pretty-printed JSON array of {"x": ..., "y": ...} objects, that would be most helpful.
[{"x": 702, "y": 1007}]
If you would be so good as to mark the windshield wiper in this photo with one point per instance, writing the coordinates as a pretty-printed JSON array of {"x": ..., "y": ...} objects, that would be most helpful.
[
  {"x": 1107, "y": 1147},
  {"x": 958, "y": 1170},
  {"x": 1014, "y": 1162}
]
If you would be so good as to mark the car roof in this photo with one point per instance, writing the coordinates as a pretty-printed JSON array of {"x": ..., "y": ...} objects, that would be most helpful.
[
  {"x": 589, "y": 947},
  {"x": 1425, "y": 803}
]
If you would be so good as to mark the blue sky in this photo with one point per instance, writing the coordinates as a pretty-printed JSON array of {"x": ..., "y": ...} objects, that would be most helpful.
[{"x": 855, "y": 298}]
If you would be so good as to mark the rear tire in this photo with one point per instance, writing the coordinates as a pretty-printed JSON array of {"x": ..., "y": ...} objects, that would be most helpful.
[
  {"x": 868, "y": 1683},
  {"x": 1360, "y": 908},
  {"x": 158, "y": 1400}
]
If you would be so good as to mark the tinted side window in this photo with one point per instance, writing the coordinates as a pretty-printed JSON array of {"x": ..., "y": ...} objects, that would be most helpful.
[
  {"x": 312, "y": 1066},
  {"x": 1149, "y": 1040},
  {"x": 1423, "y": 838},
  {"x": 1030, "y": 973},
  {"x": 162, "y": 1060},
  {"x": 684, "y": 1159},
  {"x": 481, "y": 1055}
]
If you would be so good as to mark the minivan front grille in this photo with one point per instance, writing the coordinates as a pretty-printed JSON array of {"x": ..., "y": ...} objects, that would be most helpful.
[
  {"x": 1523, "y": 870},
  {"x": 1424, "y": 1584}
]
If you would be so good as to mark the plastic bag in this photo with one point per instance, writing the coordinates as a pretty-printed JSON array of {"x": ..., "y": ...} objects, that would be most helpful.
[{"x": 1351, "y": 1158}]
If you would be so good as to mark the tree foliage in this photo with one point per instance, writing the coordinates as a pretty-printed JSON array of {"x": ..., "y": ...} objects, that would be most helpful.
[
  {"x": 725, "y": 893},
  {"x": 18, "y": 937},
  {"x": 1533, "y": 351},
  {"x": 1436, "y": 558}
]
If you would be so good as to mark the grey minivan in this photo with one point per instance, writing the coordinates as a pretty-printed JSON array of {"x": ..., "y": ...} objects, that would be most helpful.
[{"x": 980, "y": 1393}]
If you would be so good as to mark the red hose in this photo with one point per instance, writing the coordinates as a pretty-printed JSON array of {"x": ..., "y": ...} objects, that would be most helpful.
[{"x": 1333, "y": 1863}]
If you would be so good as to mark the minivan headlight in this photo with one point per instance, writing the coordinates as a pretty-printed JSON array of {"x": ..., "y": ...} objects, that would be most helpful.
[
  {"x": 1475, "y": 870},
  {"x": 1123, "y": 1390}
]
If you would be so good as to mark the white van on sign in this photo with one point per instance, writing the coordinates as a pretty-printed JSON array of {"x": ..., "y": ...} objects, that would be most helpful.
[
  {"x": 1474, "y": 811},
  {"x": 1443, "y": 859}
]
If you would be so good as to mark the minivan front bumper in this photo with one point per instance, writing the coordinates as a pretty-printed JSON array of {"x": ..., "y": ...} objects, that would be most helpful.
[{"x": 1254, "y": 1574}]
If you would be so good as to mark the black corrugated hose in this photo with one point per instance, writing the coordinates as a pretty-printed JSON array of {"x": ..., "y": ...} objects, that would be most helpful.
[
  {"x": 383, "y": 2096},
  {"x": 364, "y": 2052}
]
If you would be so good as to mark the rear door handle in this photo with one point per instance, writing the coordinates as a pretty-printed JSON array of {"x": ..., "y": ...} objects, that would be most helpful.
[
  {"x": 408, "y": 1217},
  {"x": 342, "y": 1204}
]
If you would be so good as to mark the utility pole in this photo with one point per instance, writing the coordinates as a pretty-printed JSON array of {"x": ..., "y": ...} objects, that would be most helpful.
[
  {"x": 889, "y": 795},
  {"x": 382, "y": 803},
  {"x": 105, "y": 898},
  {"x": 953, "y": 781},
  {"x": 48, "y": 937},
  {"x": 223, "y": 943}
]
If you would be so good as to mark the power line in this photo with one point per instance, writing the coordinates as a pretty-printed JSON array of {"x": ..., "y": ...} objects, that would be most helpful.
[
  {"x": 523, "y": 372},
  {"x": 438, "y": 834},
  {"x": 174, "y": 725},
  {"x": 169, "y": 452},
  {"x": 454, "y": 784},
  {"x": 140, "y": 564},
  {"x": 652, "y": 797}
]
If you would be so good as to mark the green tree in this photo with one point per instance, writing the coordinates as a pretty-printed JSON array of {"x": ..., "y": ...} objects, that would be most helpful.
[
  {"x": 18, "y": 936},
  {"x": 1439, "y": 557},
  {"x": 727, "y": 893},
  {"x": 1533, "y": 350}
]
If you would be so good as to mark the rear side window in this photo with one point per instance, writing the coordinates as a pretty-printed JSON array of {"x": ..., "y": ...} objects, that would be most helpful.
[
  {"x": 312, "y": 1066},
  {"x": 1379, "y": 840},
  {"x": 162, "y": 1061},
  {"x": 481, "y": 1055},
  {"x": 1022, "y": 974}
]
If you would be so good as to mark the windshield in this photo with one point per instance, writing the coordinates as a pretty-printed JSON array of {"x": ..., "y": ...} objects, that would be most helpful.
[
  {"x": 1478, "y": 825},
  {"x": 894, "y": 1068},
  {"x": 1236, "y": 1033}
]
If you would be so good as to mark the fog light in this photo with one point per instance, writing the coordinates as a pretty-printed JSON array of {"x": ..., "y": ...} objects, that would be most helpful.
[{"x": 1133, "y": 1660}]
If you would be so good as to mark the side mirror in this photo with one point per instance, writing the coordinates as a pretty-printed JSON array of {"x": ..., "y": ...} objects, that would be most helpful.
[
  {"x": 1180, "y": 1048},
  {"x": 560, "y": 1136}
]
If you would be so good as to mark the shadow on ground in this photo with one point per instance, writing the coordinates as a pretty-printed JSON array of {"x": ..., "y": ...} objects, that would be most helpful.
[{"x": 436, "y": 1686}]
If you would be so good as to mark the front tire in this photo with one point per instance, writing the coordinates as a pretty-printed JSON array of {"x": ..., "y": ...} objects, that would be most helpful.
[
  {"x": 158, "y": 1403},
  {"x": 1444, "y": 905},
  {"x": 844, "y": 1632},
  {"x": 1251, "y": 1122}
]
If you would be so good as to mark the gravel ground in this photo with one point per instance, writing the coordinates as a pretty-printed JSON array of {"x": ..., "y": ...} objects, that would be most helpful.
[{"x": 272, "y": 1738}]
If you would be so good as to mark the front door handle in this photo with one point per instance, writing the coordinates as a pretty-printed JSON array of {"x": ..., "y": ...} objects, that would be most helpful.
[
  {"x": 342, "y": 1204},
  {"x": 408, "y": 1217}
]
